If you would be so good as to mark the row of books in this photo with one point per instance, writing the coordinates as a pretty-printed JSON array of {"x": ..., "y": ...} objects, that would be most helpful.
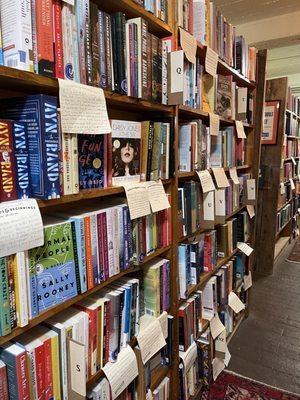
[
  {"x": 157, "y": 7},
  {"x": 210, "y": 27},
  {"x": 199, "y": 150},
  {"x": 293, "y": 102},
  {"x": 292, "y": 125},
  {"x": 283, "y": 217},
  {"x": 38, "y": 160},
  {"x": 289, "y": 170},
  {"x": 104, "y": 323},
  {"x": 83, "y": 43},
  {"x": 81, "y": 250},
  {"x": 291, "y": 148}
]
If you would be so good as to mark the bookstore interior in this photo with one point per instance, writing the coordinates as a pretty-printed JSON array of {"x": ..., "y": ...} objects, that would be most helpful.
[{"x": 149, "y": 179}]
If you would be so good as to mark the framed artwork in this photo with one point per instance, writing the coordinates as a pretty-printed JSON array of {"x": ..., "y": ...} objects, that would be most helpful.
[{"x": 270, "y": 125}]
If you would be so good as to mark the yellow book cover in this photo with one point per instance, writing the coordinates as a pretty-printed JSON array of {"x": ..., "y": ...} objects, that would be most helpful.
[{"x": 55, "y": 364}]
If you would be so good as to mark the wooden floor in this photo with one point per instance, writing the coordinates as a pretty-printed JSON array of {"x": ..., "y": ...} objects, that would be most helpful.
[{"x": 267, "y": 346}]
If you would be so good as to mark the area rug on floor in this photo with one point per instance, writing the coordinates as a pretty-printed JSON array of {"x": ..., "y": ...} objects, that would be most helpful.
[
  {"x": 294, "y": 255},
  {"x": 230, "y": 386}
]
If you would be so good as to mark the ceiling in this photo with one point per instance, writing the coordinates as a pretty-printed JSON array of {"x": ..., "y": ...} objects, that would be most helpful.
[{"x": 241, "y": 11}]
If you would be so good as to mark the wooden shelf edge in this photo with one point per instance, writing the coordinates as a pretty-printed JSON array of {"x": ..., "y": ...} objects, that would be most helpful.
[
  {"x": 158, "y": 375},
  {"x": 62, "y": 306}
]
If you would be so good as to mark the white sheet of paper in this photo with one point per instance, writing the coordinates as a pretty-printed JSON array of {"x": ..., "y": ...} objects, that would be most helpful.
[
  {"x": 122, "y": 372},
  {"x": 137, "y": 199},
  {"x": 248, "y": 281},
  {"x": 235, "y": 303},
  {"x": 293, "y": 187},
  {"x": 245, "y": 248},
  {"x": 214, "y": 124},
  {"x": 221, "y": 178},
  {"x": 227, "y": 357},
  {"x": 216, "y": 327},
  {"x": 251, "y": 211},
  {"x": 209, "y": 206},
  {"x": 77, "y": 366},
  {"x": 150, "y": 340},
  {"x": 251, "y": 194},
  {"x": 21, "y": 226},
  {"x": 157, "y": 196},
  {"x": 220, "y": 202},
  {"x": 149, "y": 395},
  {"x": 217, "y": 366},
  {"x": 293, "y": 160},
  {"x": 211, "y": 62},
  {"x": 163, "y": 320},
  {"x": 189, "y": 45},
  {"x": 240, "y": 130},
  {"x": 282, "y": 188},
  {"x": 206, "y": 181},
  {"x": 189, "y": 357},
  {"x": 233, "y": 175},
  {"x": 83, "y": 108},
  {"x": 221, "y": 344}
]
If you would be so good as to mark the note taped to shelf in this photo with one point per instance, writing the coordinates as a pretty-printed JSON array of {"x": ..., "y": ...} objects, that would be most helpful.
[
  {"x": 122, "y": 372},
  {"x": 137, "y": 199},
  {"x": 163, "y": 320},
  {"x": 83, "y": 108},
  {"x": 251, "y": 211},
  {"x": 214, "y": 124},
  {"x": 217, "y": 366},
  {"x": 245, "y": 248},
  {"x": 21, "y": 226},
  {"x": 235, "y": 303},
  {"x": 293, "y": 160},
  {"x": 189, "y": 357},
  {"x": 234, "y": 176},
  {"x": 76, "y": 369},
  {"x": 282, "y": 188},
  {"x": 221, "y": 345},
  {"x": 188, "y": 44},
  {"x": 216, "y": 326},
  {"x": 227, "y": 357},
  {"x": 150, "y": 340},
  {"x": 251, "y": 189},
  {"x": 206, "y": 181},
  {"x": 293, "y": 187},
  {"x": 221, "y": 178},
  {"x": 211, "y": 62},
  {"x": 240, "y": 130},
  {"x": 157, "y": 196},
  {"x": 248, "y": 281}
]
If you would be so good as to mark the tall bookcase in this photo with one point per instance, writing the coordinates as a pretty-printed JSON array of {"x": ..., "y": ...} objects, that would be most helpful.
[
  {"x": 15, "y": 82},
  {"x": 277, "y": 199}
]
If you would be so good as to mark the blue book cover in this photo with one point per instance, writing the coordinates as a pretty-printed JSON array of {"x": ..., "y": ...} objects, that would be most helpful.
[
  {"x": 53, "y": 265},
  {"x": 20, "y": 146},
  {"x": 92, "y": 161},
  {"x": 40, "y": 114}
]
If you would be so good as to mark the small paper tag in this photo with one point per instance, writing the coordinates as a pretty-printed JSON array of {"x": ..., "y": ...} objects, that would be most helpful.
[
  {"x": 282, "y": 188},
  {"x": 293, "y": 187},
  {"x": 211, "y": 62},
  {"x": 157, "y": 196},
  {"x": 240, "y": 130},
  {"x": 189, "y": 45},
  {"x": 234, "y": 176},
  {"x": 217, "y": 366},
  {"x": 251, "y": 189},
  {"x": 214, "y": 124},
  {"x": 216, "y": 327},
  {"x": 248, "y": 281},
  {"x": 251, "y": 211},
  {"x": 137, "y": 199},
  {"x": 221, "y": 345},
  {"x": 77, "y": 367},
  {"x": 245, "y": 248},
  {"x": 220, "y": 177},
  {"x": 206, "y": 181},
  {"x": 293, "y": 160},
  {"x": 235, "y": 303}
]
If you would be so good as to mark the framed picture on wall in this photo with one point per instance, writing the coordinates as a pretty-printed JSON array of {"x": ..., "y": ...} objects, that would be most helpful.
[{"x": 270, "y": 123}]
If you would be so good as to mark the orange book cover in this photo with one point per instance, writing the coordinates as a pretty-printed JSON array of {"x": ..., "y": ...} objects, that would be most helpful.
[
  {"x": 44, "y": 33},
  {"x": 88, "y": 252}
]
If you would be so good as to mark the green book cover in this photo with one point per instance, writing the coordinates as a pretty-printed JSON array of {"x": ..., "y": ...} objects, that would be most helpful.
[
  {"x": 4, "y": 299},
  {"x": 152, "y": 290}
]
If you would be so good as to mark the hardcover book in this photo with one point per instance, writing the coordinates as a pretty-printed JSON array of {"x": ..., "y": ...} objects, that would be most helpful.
[
  {"x": 224, "y": 102},
  {"x": 8, "y": 190}
]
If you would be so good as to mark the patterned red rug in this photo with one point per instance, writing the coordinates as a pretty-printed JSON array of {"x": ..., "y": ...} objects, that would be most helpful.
[{"x": 229, "y": 386}]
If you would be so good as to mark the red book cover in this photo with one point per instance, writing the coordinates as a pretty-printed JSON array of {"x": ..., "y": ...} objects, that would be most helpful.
[
  {"x": 8, "y": 190},
  {"x": 207, "y": 253},
  {"x": 22, "y": 377},
  {"x": 88, "y": 253},
  {"x": 3, "y": 382},
  {"x": 48, "y": 369},
  {"x": 191, "y": 17},
  {"x": 40, "y": 368},
  {"x": 58, "y": 40},
  {"x": 44, "y": 33}
]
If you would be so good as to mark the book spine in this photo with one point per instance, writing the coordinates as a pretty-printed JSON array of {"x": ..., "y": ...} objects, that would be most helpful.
[
  {"x": 110, "y": 241},
  {"x": 144, "y": 60},
  {"x": 94, "y": 39},
  {"x": 116, "y": 239},
  {"x": 77, "y": 272},
  {"x": 3, "y": 383},
  {"x": 44, "y": 31},
  {"x": 67, "y": 36},
  {"x": 12, "y": 292},
  {"x": 48, "y": 370},
  {"x": 40, "y": 367},
  {"x": 154, "y": 48},
  {"x": 88, "y": 253},
  {"x": 4, "y": 298},
  {"x": 20, "y": 148},
  {"x": 55, "y": 367},
  {"x": 80, "y": 235},
  {"x": 102, "y": 52},
  {"x": 34, "y": 36},
  {"x": 20, "y": 379},
  {"x": 8, "y": 188},
  {"x": 159, "y": 70},
  {"x": 150, "y": 148},
  {"x": 58, "y": 40},
  {"x": 94, "y": 241},
  {"x": 21, "y": 288},
  {"x": 74, "y": 166},
  {"x": 66, "y": 140},
  {"x": 108, "y": 51},
  {"x": 81, "y": 32}
]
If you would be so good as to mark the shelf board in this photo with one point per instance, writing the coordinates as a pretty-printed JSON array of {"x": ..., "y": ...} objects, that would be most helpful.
[
  {"x": 285, "y": 204},
  {"x": 293, "y": 114},
  {"x": 292, "y": 137},
  {"x": 193, "y": 174},
  {"x": 158, "y": 375},
  {"x": 290, "y": 159},
  {"x": 88, "y": 194},
  {"x": 282, "y": 228},
  {"x": 60, "y": 307}
]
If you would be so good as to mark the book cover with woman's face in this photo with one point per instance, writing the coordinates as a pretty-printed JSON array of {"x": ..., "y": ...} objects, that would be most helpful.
[{"x": 126, "y": 151}]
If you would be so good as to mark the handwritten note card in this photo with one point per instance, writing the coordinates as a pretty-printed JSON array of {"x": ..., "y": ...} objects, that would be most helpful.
[
  {"x": 217, "y": 366},
  {"x": 220, "y": 177},
  {"x": 189, "y": 357},
  {"x": 293, "y": 187},
  {"x": 214, "y": 124},
  {"x": 206, "y": 181},
  {"x": 251, "y": 189},
  {"x": 77, "y": 368},
  {"x": 216, "y": 327},
  {"x": 163, "y": 320},
  {"x": 122, "y": 372},
  {"x": 189, "y": 45},
  {"x": 21, "y": 226},
  {"x": 157, "y": 196},
  {"x": 248, "y": 281},
  {"x": 137, "y": 199},
  {"x": 240, "y": 130},
  {"x": 251, "y": 211},
  {"x": 211, "y": 62},
  {"x": 151, "y": 340},
  {"x": 245, "y": 248},
  {"x": 234, "y": 176},
  {"x": 235, "y": 303},
  {"x": 83, "y": 108}
]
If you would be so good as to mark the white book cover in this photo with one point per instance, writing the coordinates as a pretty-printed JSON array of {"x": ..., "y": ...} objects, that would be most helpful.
[
  {"x": 74, "y": 164},
  {"x": 20, "y": 277},
  {"x": 185, "y": 148},
  {"x": 66, "y": 142},
  {"x": 208, "y": 206}
]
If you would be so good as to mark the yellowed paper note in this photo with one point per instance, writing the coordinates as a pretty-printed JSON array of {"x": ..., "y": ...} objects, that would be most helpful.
[
  {"x": 220, "y": 177},
  {"x": 151, "y": 340},
  {"x": 248, "y": 281},
  {"x": 218, "y": 366},
  {"x": 216, "y": 327},
  {"x": 206, "y": 181},
  {"x": 234, "y": 176},
  {"x": 235, "y": 303},
  {"x": 214, "y": 124},
  {"x": 137, "y": 199},
  {"x": 251, "y": 211},
  {"x": 240, "y": 130},
  {"x": 211, "y": 62},
  {"x": 189, "y": 45},
  {"x": 245, "y": 248},
  {"x": 157, "y": 196}
]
